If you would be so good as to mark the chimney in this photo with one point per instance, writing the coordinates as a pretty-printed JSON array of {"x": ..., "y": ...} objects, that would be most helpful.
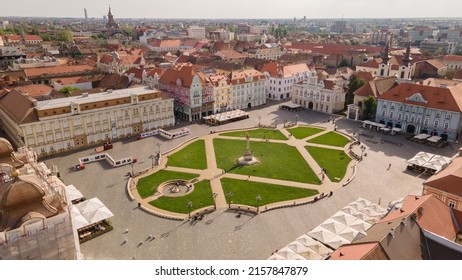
[
  {"x": 392, "y": 232},
  {"x": 109, "y": 91},
  {"x": 85, "y": 94},
  {"x": 460, "y": 152}
]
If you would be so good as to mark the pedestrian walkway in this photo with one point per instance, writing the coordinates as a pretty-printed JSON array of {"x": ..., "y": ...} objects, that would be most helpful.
[{"x": 214, "y": 174}]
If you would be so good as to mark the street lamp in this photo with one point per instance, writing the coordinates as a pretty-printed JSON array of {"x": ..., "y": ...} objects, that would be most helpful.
[
  {"x": 258, "y": 199},
  {"x": 259, "y": 121},
  {"x": 229, "y": 195},
  {"x": 285, "y": 120},
  {"x": 158, "y": 147},
  {"x": 190, "y": 204},
  {"x": 132, "y": 167},
  {"x": 296, "y": 119},
  {"x": 215, "y": 200},
  {"x": 152, "y": 157}
]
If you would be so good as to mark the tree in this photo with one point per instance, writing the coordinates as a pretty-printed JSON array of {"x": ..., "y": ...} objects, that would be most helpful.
[
  {"x": 439, "y": 52},
  {"x": 45, "y": 37},
  {"x": 449, "y": 74},
  {"x": 64, "y": 36},
  {"x": 458, "y": 50},
  {"x": 67, "y": 89},
  {"x": 343, "y": 63},
  {"x": 370, "y": 107},
  {"x": 354, "y": 84}
]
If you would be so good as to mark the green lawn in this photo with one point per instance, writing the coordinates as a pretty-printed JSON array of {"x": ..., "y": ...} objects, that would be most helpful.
[
  {"x": 147, "y": 186},
  {"x": 334, "y": 161},
  {"x": 277, "y": 161},
  {"x": 258, "y": 133},
  {"x": 331, "y": 139},
  {"x": 304, "y": 131},
  {"x": 245, "y": 192},
  {"x": 191, "y": 156},
  {"x": 200, "y": 197}
]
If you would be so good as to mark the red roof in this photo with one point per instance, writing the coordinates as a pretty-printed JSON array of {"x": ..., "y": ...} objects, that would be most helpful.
[
  {"x": 431, "y": 214},
  {"x": 449, "y": 179},
  {"x": 449, "y": 98},
  {"x": 35, "y": 90},
  {"x": 60, "y": 69},
  {"x": 329, "y": 49},
  {"x": 452, "y": 58},
  {"x": 32, "y": 38}
]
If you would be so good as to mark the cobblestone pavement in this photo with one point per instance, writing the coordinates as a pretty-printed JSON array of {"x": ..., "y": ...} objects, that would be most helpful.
[{"x": 222, "y": 234}]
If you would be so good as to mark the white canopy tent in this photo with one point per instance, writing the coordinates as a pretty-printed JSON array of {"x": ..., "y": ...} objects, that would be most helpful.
[
  {"x": 286, "y": 254},
  {"x": 321, "y": 234},
  {"x": 73, "y": 193},
  {"x": 304, "y": 251},
  {"x": 434, "y": 139},
  {"x": 94, "y": 210},
  {"x": 78, "y": 220}
]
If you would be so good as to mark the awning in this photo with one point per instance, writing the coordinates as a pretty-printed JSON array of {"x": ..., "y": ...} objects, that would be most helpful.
[
  {"x": 94, "y": 210},
  {"x": 434, "y": 139},
  {"x": 73, "y": 193}
]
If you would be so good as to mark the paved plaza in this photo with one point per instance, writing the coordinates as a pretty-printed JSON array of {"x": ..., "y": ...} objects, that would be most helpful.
[{"x": 222, "y": 234}]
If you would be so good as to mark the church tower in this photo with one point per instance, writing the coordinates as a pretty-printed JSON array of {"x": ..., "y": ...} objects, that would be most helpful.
[
  {"x": 385, "y": 67},
  {"x": 406, "y": 69}
]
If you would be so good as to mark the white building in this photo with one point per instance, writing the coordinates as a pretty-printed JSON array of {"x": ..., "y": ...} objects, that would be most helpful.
[
  {"x": 247, "y": 89},
  {"x": 197, "y": 32},
  {"x": 323, "y": 96},
  {"x": 453, "y": 61},
  {"x": 280, "y": 80},
  {"x": 63, "y": 124}
]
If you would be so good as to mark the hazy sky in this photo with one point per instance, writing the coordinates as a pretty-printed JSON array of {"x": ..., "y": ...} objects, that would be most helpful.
[{"x": 234, "y": 8}]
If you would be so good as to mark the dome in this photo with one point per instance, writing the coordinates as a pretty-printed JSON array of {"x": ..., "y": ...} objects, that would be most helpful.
[
  {"x": 24, "y": 201},
  {"x": 5, "y": 148},
  {"x": 24, "y": 190}
]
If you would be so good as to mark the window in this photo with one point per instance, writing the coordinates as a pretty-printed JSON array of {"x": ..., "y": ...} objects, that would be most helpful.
[
  {"x": 438, "y": 114},
  {"x": 400, "y": 117},
  {"x": 446, "y": 125},
  {"x": 426, "y": 121},
  {"x": 391, "y": 115},
  {"x": 448, "y": 116},
  {"x": 436, "y": 123},
  {"x": 452, "y": 203}
]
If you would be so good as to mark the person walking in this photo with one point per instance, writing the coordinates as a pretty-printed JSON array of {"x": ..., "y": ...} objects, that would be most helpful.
[{"x": 389, "y": 166}]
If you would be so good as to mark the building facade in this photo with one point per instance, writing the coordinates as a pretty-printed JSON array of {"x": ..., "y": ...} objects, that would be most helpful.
[
  {"x": 197, "y": 32},
  {"x": 57, "y": 125},
  {"x": 221, "y": 93},
  {"x": 280, "y": 79},
  {"x": 422, "y": 109},
  {"x": 323, "y": 96},
  {"x": 192, "y": 92},
  {"x": 247, "y": 89}
]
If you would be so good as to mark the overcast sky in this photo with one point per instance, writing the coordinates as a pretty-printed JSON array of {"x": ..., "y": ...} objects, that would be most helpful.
[{"x": 234, "y": 8}]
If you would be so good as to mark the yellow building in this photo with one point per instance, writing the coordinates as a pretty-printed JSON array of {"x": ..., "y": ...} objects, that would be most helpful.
[{"x": 62, "y": 124}]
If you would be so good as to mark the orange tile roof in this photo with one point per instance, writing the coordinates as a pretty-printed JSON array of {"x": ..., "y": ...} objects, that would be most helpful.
[
  {"x": 61, "y": 69},
  {"x": 437, "y": 98},
  {"x": 35, "y": 90},
  {"x": 165, "y": 43},
  {"x": 449, "y": 179},
  {"x": 32, "y": 38},
  {"x": 376, "y": 87},
  {"x": 18, "y": 107},
  {"x": 353, "y": 251},
  {"x": 431, "y": 214},
  {"x": 71, "y": 80},
  {"x": 452, "y": 58}
]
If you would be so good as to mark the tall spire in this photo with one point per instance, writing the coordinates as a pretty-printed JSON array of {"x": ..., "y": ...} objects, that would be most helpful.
[
  {"x": 386, "y": 54},
  {"x": 407, "y": 56}
]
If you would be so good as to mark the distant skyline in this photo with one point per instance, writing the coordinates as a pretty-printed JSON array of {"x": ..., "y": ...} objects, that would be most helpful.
[{"x": 235, "y": 9}]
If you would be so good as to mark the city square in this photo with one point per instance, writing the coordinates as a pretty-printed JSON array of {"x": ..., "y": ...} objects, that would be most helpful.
[{"x": 224, "y": 234}]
